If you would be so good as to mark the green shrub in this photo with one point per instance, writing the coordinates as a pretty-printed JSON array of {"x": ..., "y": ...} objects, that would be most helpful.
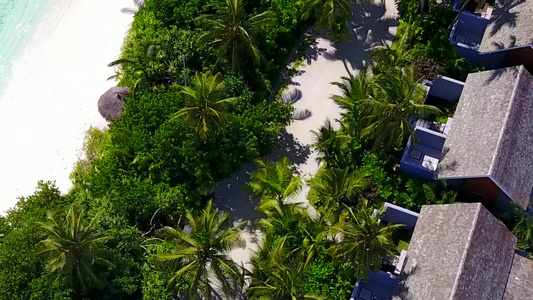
[{"x": 329, "y": 278}]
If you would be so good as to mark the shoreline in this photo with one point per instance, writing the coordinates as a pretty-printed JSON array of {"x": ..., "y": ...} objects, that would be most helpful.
[{"x": 51, "y": 98}]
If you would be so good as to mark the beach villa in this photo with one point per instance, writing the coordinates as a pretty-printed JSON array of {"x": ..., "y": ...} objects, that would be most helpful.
[
  {"x": 457, "y": 252},
  {"x": 500, "y": 37},
  {"x": 486, "y": 153},
  {"x": 461, "y": 251}
]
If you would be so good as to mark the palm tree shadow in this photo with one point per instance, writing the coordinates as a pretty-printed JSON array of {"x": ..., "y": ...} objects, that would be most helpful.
[
  {"x": 448, "y": 166},
  {"x": 313, "y": 51},
  {"x": 369, "y": 28},
  {"x": 402, "y": 289},
  {"x": 289, "y": 147},
  {"x": 232, "y": 194},
  {"x": 506, "y": 15},
  {"x": 496, "y": 74}
]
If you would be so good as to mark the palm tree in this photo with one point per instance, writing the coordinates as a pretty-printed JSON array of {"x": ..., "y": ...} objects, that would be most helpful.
[
  {"x": 207, "y": 109},
  {"x": 274, "y": 180},
  {"x": 386, "y": 117},
  {"x": 354, "y": 88},
  {"x": 332, "y": 189},
  {"x": 74, "y": 249},
  {"x": 233, "y": 31},
  {"x": 331, "y": 14},
  {"x": 138, "y": 67},
  {"x": 330, "y": 143},
  {"x": 362, "y": 240},
  {"x": 201, "y": 254},
  {"x": 400, "y": 53},
  {"x": 292, "y": 221},
  {"x": 279, "y": 272}
]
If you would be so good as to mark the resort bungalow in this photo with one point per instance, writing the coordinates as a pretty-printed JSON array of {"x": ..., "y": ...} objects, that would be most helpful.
[
  {"x": 500, "y": 37},
  {"x": 420, "y": 158},
  {"x": 487, "y": 155},
  {"x": 457, "y": 251},
  {"x": 461, "y": 251}
]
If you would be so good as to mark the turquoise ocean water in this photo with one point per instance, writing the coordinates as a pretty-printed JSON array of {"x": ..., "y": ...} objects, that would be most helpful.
[{"x": 19, "y": 22}]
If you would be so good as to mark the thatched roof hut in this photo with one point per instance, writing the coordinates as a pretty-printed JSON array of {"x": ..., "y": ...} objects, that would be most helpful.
[{"x": 111, "y": 102}]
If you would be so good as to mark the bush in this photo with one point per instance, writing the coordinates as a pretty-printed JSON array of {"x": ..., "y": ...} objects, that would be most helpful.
[{"x": 329, "y": 278}]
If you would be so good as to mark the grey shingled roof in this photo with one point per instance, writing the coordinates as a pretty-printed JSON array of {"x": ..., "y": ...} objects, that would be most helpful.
[
  {"x": 458, "y": 251},
  {"x": 520, "y": 280},
  {"x": 492, "y": 132},
  {"x": 511, "y": 25}
]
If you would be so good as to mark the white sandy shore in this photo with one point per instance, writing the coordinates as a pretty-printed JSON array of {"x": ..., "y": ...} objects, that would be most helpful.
[{"x": 52, "y": 97}]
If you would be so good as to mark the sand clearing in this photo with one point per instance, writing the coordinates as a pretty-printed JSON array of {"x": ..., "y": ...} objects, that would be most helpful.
[
  {"x": 373, "y": 25},
  {"x": 52, "y": 97}
]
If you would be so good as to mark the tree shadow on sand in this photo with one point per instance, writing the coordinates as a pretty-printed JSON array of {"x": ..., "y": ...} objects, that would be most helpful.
[
  {"x": 313, "y": 51},
  {"x": 369, "y": 28},
  {"x": 232, "y": 195}
]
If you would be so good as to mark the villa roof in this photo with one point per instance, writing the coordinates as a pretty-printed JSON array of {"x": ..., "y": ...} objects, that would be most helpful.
[
  {"x": 492, "y": 134},
  {"x": 511, "y": 25},
  {"x": 458, "y": 251},
  {"x": 520, "y": 279}
]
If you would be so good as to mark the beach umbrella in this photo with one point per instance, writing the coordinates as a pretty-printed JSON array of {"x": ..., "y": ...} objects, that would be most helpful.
[{"x": 111, "y": 102}]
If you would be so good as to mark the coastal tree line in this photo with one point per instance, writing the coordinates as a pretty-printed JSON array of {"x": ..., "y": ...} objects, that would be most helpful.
[{"x": 139, "y": 222}]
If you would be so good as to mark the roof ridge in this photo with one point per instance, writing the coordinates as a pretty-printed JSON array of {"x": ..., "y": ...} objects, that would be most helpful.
[
  {"x": 508, "y": 275},
  {"x": 463, "y": 257},
  {"x": 504, "y": 127}
]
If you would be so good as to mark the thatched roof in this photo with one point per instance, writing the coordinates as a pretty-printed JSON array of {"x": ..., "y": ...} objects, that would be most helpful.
[
  {"x": 520, "y": 279},
  {"x": 510, "y": 25},
  {"x": 492, "y": 134},
  {"x": 458, "y": 251},
  {"x": 111, "y": 102}
]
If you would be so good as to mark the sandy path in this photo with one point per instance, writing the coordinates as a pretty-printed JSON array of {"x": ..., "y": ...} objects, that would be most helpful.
[
  {"x": 373, "y": 24},
  {"x": 52, "y": 97}
]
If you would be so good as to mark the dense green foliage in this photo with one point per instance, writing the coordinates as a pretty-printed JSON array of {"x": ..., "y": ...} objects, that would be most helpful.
[
  {"x": 74, "y": 250},
  {"x": 155, "y": 164},
  {"x": 327, "y": 277},
  {"x": 423, "y": 40},
  {"x": 200, "y": 256},
  {"x": 521, "y": 225},
  {"x": 200, "y": 73}
]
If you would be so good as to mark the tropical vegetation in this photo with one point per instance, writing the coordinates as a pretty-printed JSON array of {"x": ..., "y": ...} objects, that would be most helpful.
[
  {"x": 74, "y": 249},
  {"x": 201, "y": 255},
  {"x": 139, "y": 223}
]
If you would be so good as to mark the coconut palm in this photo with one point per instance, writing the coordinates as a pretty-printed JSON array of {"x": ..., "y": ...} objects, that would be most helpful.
[
  {"x": 274, "y": 180},
  {"x": 331, "y": 14},
  {"x": 279, "y": 272},
  {"x": 362, "y": 240},
  {"x": 332, "y": 189},
  {"x": 74, "y": 250},
  {"x": 233, "y": 31},
  {"x": 201, "y": 254},
  {"x": 396, "y": 98},
  {"x": 207, "y": 109},
  {"x": 138, "y": 67},
  {"x": 354, "y": 88},
  {"x": 330, "y": 143},
  {"x": 292, "y": 221},
  {"x": 400, "y": 53}
]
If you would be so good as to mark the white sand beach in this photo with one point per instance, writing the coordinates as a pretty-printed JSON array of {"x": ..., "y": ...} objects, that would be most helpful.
[{"x": 51, "y": 99}]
